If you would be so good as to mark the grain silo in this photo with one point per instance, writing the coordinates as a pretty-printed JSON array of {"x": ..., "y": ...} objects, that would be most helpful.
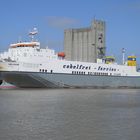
[{"x": 85, "y": 44}]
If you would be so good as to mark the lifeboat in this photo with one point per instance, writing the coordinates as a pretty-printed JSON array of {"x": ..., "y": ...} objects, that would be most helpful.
[{"x": 61, "y": 54}]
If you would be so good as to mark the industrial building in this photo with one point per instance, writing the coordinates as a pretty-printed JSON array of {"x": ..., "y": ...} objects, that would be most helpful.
[{"x": 85, "y": 44}]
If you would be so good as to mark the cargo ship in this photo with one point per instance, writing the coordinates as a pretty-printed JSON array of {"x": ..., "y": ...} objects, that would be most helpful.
[{"x": 27, "y": 65}]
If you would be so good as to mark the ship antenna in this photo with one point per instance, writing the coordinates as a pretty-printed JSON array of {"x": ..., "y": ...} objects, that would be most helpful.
[
  {"x": 123, "y": 56},
  {"x": 19, "y": 39},
  {"x": 33, "y": 33}
]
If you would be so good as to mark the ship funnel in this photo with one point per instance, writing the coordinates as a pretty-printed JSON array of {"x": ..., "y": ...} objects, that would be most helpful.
[{"x": 131, "y": 61}]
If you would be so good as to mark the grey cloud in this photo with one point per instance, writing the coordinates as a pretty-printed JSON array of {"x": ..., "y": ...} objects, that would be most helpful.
[
  {"x": 61, "y": 22},
  {"x": 131, "y": 6},
  {"x": 134, "y": 6}
]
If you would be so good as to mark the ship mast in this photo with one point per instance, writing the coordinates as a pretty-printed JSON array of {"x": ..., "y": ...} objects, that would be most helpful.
[
  {"x": 123, "y": 56},
  {"x": 33, "y": 33}
]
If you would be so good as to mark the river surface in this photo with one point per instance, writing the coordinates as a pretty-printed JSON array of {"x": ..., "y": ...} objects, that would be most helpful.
[{"x": 69, "y": 114}]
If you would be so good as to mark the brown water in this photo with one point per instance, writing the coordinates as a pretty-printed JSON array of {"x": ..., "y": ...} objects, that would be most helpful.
[{"x": 69, "y": 114}]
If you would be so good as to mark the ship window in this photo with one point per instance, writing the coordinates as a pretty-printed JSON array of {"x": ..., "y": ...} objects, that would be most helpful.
[
  {"x": 40, "y": 70},
  {"x": 45, "y": 70},
  {"x": 73, "y": 72},
  {"x": 51, "y": 71}
]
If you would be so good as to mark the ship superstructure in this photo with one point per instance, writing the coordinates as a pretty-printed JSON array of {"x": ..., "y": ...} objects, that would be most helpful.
[{"x": 25, "y": 51}]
